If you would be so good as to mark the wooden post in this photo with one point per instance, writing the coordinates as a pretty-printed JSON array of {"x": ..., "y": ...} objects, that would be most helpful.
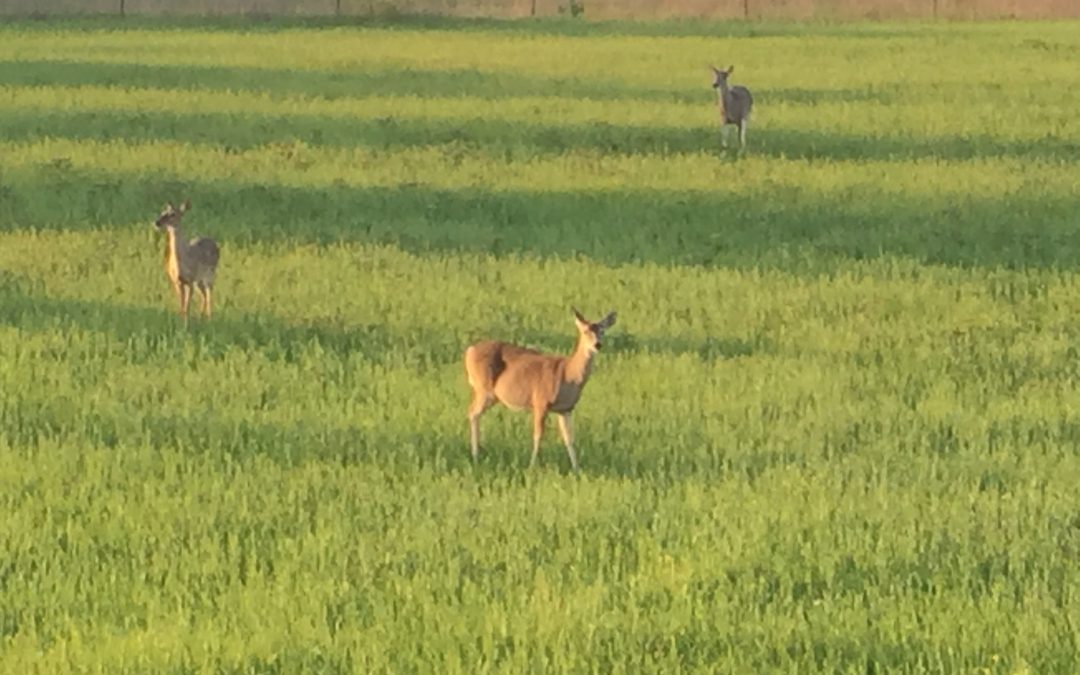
[
  {"x": 532, "y": 9},
  {"x": 746, "y": 9},
  {"x": 337, "y": 7},
  {"x": 935, "y": 9},
  {"x": 121, "y": 7}
]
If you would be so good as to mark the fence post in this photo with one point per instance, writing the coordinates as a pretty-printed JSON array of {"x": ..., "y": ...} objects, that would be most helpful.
[
  {"x": 532, "y": 8},
  {"x": 337, "y": 7},
  {"x": 935, "y": 9},
  {"x": 746, "y": 9},
  {"x": 121, "y": 7}
]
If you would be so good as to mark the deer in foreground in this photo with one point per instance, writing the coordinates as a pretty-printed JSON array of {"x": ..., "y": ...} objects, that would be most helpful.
[
  {"x": 522, "y": 378},
  {"x": 734, "y": 104},
  {"x": 188, "y": 263}
]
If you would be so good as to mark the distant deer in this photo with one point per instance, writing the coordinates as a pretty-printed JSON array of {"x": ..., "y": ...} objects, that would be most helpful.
[
  {"x": 521, "y": 378},
  {"x": 734, "y": 103},
  {"x": 188, "y": 263}
]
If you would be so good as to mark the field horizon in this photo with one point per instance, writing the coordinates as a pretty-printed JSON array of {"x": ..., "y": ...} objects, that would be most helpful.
[
  {"x": 835, "y": 428},
  {"x": 603, "y": 10}
]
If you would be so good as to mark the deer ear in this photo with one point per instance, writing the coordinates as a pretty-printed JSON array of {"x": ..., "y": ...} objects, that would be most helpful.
[
  {"x": 730, "y": 69},
  {"x": 609, "y": 320},
  {"x": 168, "y": 207},
  {"x": 185, "y": 206},
  {"x": 582, "y": 322}
]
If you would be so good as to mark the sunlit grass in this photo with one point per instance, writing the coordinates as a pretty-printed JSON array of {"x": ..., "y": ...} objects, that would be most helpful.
[{"x": 834, "y": 428}]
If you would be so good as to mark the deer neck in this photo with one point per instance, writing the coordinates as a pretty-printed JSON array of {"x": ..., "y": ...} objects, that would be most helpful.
[
  {"x": 579, "y": 364},
  {"x": 723, "y": 95},
  {"x": 177, "y": 250}
]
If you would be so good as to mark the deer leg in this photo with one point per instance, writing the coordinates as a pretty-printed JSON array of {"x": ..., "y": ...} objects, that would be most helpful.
[
  {"x": 539, "y": 413},
  {"x": 481, "y": 402},
  {"x": 742, "y": 132},
  {"x": 566, "y": 428},
  {"x": 204, "y": 295},
  {"x": 185, "y": 299}
]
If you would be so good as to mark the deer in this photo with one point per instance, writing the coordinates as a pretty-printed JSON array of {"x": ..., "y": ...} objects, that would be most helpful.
[
  {"x": 734, "y": 104},
  {"x": 188, "y": 263},
  {"x": 521, "y": 378}
]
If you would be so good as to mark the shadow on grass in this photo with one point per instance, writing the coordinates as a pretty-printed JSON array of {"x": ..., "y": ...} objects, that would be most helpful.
[
  {"x": 358, "y": 82},
  {"x": 161, "y": 329},
  {"x": 505, "y": 139},
  {"x": 352, "y": 82},
  {"x": 622, "y": 340},
  {"x": 797, "y": 144},
  {"x": 793, "y": 228}
]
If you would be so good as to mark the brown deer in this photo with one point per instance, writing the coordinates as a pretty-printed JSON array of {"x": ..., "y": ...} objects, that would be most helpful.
[
  {"x": 521, "y": 378},
  {"x": 734, "y": 104},
  {"x": 188, "y": 263}
]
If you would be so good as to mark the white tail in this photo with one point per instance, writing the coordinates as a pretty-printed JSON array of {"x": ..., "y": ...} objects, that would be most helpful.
[
  {"x": 734, "y": 103},
  {"x": 188, "y": 263},
  {"x": 521, "y": 378}
]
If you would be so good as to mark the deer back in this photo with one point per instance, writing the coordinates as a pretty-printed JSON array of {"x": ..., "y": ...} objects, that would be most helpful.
[
  {"x": 204, "y": 253},
  {"x": 737, "y": 104},
  {"x": 517, "y": 376}
]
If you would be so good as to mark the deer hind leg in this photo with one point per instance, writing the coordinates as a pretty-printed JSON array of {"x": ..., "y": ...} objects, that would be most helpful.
[
  {"x": 204, "y": 294},
  {"x": 566, "y": 428},
  {"x": 742, "y": 132},
  {"x": 481, "y": 401},
  {"x": 539, "y": 415}
]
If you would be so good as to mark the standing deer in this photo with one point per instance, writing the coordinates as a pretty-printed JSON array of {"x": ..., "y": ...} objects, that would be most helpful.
[
  {"x": 522, "y": 378},
  {"x": 734, "y": 104},
  {"x": 188, "y": 263}
]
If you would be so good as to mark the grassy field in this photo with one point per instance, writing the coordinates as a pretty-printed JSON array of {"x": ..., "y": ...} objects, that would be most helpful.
[{"x": 836, "y": 428}]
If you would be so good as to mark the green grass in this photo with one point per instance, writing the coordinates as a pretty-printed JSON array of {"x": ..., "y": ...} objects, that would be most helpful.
[{"x": 835, "y": 429}]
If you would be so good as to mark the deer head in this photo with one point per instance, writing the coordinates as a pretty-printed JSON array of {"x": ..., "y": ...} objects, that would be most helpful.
[
  {"x": 592, "y": 334},
  {"x": 720, "y": 76},
  {"x": 170, "y": 216}
]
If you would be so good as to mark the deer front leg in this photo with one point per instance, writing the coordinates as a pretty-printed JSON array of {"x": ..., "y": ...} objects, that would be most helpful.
[
  {"x": 566, "y": 428},
  {"x": 185, "y": 299},
  {"x": 539, "y": 414},
  {"x": 725, "y": 131}
]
